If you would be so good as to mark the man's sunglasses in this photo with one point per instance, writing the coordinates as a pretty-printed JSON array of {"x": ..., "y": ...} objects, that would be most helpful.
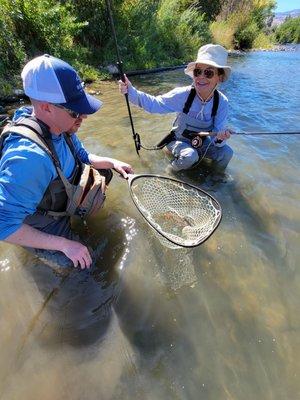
[
  {"x": 208, "y": 73},
  {"x": 72, "y": 114}
]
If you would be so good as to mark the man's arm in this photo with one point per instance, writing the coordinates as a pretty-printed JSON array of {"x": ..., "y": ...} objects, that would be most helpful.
[
  {"x": 100, "y": 162},
  {"x": 31, "y": 237},
  {"x": 25, "y": 174},
  {"x": 110, "y": 163}
]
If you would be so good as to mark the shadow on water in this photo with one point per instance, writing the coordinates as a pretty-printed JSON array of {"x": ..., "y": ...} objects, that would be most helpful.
[
  {"x": 236, "y": 197},
  {"x": 216, "y": 338},
  {"x": 83, "y": 303},
  {"x": 77, "y": 304}
]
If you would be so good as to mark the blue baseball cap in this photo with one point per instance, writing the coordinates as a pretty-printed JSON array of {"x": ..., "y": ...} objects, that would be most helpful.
[{"x": 50, "y": 79}]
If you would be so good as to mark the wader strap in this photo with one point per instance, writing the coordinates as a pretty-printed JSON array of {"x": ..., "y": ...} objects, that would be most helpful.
[
  {"x": 39, "y": 133},
  {"x": 191, "y": 97},
  {"x": 27, "y": 133},
  {"x": 215, "y": 104},
  {"x": 189, "y": 100},
  {"x": 72, "y": 147},
  {"x": 42, "y": 132}
]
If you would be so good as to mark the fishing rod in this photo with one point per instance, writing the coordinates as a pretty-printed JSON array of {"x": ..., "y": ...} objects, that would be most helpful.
[
  {"x": 135, "y": 135},
  {"x": 171, "y": 136}
]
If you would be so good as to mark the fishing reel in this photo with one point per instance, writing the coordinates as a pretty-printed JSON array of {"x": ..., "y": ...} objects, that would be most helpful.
[
  {"x": 198, "y": 139},
  {"x": 197, "y": 142}
]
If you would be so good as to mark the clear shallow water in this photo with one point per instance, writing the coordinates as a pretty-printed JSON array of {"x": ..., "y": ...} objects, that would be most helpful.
[{"x": 220, "y": 321}]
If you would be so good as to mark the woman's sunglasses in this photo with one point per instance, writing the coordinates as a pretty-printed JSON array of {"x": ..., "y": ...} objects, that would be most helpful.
[
  {"x": 208, "y": 73},
  {"x": 72, "y": 114}
]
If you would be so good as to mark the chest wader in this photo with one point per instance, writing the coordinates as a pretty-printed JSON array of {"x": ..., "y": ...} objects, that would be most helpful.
[
  {"x": 186, "y": 128},
  {"x": 81, "y": 195}
]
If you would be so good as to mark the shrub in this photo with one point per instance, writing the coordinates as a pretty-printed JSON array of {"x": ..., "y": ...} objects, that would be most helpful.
[
  {"x": 245, "y": 35},
  {"x": 289, "y": 31},
  {"x": 223, "y": 33},
  {"x": 263, "y": 41}
]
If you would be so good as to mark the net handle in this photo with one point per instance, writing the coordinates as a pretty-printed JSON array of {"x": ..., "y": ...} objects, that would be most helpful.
[{"x": 133, "y": 177}]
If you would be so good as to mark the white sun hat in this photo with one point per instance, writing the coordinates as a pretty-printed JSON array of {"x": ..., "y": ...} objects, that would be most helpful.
[{"x": 210, "y": 54}]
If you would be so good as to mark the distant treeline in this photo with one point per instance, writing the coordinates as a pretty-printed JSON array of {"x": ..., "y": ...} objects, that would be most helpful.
[
  {"x": 289, "y": 31},
  {"x": 150, "y": 33}
]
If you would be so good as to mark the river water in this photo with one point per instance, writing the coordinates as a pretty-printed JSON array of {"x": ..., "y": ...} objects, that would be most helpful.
[{"x": 220, "y": 321}]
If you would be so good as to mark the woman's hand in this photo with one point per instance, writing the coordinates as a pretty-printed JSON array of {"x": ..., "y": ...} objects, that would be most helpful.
[
  {"x": 123, "y": 86},
  {"x": 224, "y": 135}
]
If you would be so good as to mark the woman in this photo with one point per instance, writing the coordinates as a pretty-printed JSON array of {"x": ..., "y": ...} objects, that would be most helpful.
[{"x": 199, "y": 129}]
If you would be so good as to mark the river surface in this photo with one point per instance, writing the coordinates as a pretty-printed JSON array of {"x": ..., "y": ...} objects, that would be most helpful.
[{"x": 219, "y": 321}]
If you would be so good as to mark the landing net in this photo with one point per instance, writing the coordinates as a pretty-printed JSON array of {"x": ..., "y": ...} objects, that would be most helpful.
[{"x": 183, "y": 214}]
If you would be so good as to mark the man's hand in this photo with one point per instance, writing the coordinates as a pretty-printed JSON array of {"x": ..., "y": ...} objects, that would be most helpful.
[
  {"x": 31, "y": 237},
  {"x": 77, "y": 252},
  {"x": 123, "y": 86},
  {"x": 123, "y": 168},
  {"x": 106, "y": 162}
]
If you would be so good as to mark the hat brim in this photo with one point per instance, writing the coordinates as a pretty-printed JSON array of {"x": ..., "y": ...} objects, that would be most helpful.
[
  {"x": 191, "y": 66},
  {"x": 86, "y": 104}
]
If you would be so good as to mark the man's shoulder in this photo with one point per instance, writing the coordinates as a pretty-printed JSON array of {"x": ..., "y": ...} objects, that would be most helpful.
[{"x": 15, "y": 144}]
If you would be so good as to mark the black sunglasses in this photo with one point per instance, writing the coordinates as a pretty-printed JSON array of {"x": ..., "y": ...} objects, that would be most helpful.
[
  {"x": 208, "y": 73},
  {"x": 72, "y": 114}
]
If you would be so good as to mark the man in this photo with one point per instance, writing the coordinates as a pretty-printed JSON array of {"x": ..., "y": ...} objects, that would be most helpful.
[
  {"x": 199, "y": 129},
  {"x": 31, "y": 176}
]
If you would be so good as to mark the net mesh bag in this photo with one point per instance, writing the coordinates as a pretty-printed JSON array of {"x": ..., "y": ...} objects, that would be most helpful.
[{"x": 183, "y": 214}]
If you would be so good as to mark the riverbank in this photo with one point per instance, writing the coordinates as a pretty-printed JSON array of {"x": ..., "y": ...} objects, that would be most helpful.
[{"x": 17, "y": 98}]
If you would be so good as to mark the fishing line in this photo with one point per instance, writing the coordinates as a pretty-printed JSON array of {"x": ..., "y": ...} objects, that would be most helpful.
[
  {"x": 265, "y": 133},
  {"x": 165, "y": 141}
]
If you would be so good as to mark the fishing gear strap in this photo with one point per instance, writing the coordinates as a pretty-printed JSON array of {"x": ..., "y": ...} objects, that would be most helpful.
[
  {"x": 186, "y": 133},
  {"x": 87, "y": 194}
]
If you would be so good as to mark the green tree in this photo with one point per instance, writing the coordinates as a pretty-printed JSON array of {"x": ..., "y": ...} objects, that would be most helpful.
[
  {"x": 289, "y": 31},
  {"x": 209, "y": 9}
]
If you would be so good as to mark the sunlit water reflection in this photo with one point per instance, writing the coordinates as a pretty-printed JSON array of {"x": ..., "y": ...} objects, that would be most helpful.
[{"x": 220, "y": 321}]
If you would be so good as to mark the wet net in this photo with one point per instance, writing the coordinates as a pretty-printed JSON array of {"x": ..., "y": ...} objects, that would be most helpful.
[{"x": 183, "y": 214}]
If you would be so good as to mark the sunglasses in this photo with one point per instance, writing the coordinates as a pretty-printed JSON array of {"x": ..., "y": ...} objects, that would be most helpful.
[
  {"x": 208, "y": 73},
  {"x": 72, "y": 114}
]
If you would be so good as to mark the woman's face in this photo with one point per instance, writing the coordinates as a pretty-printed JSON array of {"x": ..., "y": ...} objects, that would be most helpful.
[{"x": 205, "y": 79}]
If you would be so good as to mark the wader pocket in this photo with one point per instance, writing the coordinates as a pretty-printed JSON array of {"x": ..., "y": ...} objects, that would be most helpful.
[{"x": 88, "y": 196}]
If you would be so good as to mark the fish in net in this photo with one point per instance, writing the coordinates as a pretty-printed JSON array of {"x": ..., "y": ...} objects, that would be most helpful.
[{"x": 183, "y": 214}]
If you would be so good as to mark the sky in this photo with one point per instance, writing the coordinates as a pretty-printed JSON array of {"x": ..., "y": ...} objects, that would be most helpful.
[{"x": 287, "y": 5}]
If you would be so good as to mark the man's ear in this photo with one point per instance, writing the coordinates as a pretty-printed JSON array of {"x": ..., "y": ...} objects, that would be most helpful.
[{"x": 44, "y": 106}]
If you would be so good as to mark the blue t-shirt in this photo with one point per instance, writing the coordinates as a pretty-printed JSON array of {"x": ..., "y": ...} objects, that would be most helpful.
[{"x": 25, "y": 173}]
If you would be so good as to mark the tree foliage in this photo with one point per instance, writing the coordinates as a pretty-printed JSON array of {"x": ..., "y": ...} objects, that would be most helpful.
[
  {"x": 209, "y": 9},
  {"x": 150, "y": 33},
  {"x": 289, "y": 31},
  {"x": 244, "y": 20}
]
